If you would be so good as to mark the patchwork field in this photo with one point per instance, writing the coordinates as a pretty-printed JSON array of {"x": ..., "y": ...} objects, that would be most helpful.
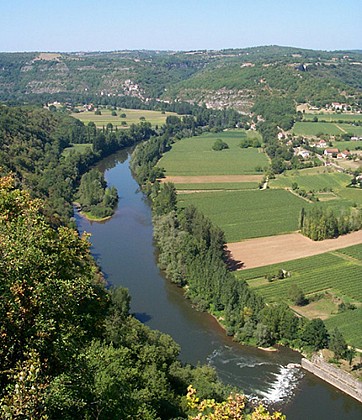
[
  {"x": 315, "y": 128},
  {"x": 194, "y": 156},
  {"x": 133, "y": 116},
  {"x": 327, "y": 280},
  {"x": 248, "y": 214}
]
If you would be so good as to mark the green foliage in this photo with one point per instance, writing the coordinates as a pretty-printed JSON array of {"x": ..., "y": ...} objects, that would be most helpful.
[
  {"x": 94, "y": 197},
  {"x": 322, "y": 223},
  {"x": 219, "y": 145},
  {"x": 337, "y": 344},
  {"x": 296, "y": 295},
  {"x": 315, "y": 334}
]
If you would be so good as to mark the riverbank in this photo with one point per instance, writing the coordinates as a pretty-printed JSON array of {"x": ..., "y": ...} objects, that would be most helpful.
[
  {"x": 89, "y": 216},
  {"x": 334, "y": 376}
]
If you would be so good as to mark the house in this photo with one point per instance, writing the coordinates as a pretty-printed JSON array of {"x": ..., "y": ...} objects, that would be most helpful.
[
  {"x": 281, "y": 136},
  {"x": 322, "y": 144},
  {"x": 330, "y": 152},
  {"x": 304, "y": 153},
  {"x": 345, "y": 154}
]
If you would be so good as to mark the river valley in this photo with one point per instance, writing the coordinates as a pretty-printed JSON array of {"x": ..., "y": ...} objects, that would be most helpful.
[{"x": 123, "y": 247}]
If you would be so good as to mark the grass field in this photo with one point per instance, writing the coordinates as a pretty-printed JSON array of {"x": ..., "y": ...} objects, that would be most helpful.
[
  {"x": 315, "y": 180},
  {"x": 333, "y": 117},
  {"x": 350, "y": 145},
  {"x": 338, "y": 273},
  {"x": 194, "y": 156},
  {"x": 219, "y": 186},
  {"x": 248, "y": 214},
  {"x": 77, "y": 148},
  {"x": 312, "y": 129},
  {"x": 332, "y": 129},
  {"x": 132, "y": 117}
]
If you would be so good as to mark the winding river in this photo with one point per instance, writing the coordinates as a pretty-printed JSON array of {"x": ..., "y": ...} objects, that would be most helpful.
[{"x": 124, "y": 249}]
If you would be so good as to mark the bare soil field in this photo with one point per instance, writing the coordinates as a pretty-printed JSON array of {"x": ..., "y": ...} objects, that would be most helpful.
[
  {"x": 212, "y": 178},
  {"x": 258, "y": 252}
]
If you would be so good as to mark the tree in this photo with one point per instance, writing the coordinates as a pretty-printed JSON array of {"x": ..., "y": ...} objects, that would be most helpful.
[
  {"x": 337, "y": 344},
  {"x": 315, "y": 334},
  {"x": 233, "y": 408},
  {"x": 296, "y": 295},
  {"x": 219, "y": 145}
]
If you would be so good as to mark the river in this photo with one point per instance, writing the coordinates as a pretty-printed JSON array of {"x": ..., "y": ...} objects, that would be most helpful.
[{"x": 124, "y": 249}]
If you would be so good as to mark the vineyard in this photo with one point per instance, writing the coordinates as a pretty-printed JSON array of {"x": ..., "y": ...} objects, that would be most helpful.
[
  {"x": 349, "y": 323},
  {"x": 331, "y": 129},
  {"x": 338, "y": 273},
  {"x": 313, "y": 181},
  {"x": 219, "y": 186},
  {"x": 248, "y": 214}
]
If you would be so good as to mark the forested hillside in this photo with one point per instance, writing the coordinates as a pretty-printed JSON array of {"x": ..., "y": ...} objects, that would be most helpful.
[{"x": 217, "y": 78}]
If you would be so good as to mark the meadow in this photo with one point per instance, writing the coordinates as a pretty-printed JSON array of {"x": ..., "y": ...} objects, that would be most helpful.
[
  {"x": 248, "y": 214},
  {"x": 194, "y": 156},
  {"x": 315, "y": 179},
  {"x": 133, "y": 116},
  {"x": 350, "y": 145},
  {"x": 336, "y": 276},
  {"x": 331, "y": 129},
  {"x": 219, "y": 186},
  {"x": 81, "y": 148},
  {"x": 334, "y": 117}
]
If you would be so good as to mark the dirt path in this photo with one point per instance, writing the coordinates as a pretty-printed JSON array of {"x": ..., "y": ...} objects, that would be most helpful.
[
  {"x": 340, "y": 128},
  {"x": 275, "y": 249},
  {"x": 212, "y": 178}
]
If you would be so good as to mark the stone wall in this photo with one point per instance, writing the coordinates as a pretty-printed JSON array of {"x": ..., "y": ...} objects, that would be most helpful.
[{"x": 336, "y": 377}]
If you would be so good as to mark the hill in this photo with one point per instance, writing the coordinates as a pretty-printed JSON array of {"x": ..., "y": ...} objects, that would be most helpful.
[{"x": 220, "y": 79}]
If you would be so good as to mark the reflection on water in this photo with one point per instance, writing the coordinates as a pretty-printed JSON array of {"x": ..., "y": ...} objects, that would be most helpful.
[{"x": 123, "y": 246}]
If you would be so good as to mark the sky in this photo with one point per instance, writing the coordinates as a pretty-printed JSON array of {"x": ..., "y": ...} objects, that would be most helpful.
[{"x": 105, "y": 25}]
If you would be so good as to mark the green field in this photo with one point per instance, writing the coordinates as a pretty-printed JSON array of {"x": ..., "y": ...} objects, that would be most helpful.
[
  {"x": 349, "y": 323},
  {"x": 315, "y": 180},
  {"x": 248, "y": 214},
  {"x": 81, "y": 148},
  {"x": 132, "y": 117},
  {"x": 339, "y": 273},
  {"x": 312, "y": 129},
  {"x": 219, "y": 186},
  {"x": 350, "y": 145},
  {"x": 194, "y": 156},
  {"x": 333, "y": 117}
]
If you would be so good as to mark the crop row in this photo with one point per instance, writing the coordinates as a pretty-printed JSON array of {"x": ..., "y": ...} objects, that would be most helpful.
[
  {"x": 349, "y": 323},
  {"x": 219, "y": 186},
  {"x": 249, "y": 214},
  {"x": 316, "y": 182},
  {"x": 319, "y": 273},
  {"x": 353, "y": 251}
]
